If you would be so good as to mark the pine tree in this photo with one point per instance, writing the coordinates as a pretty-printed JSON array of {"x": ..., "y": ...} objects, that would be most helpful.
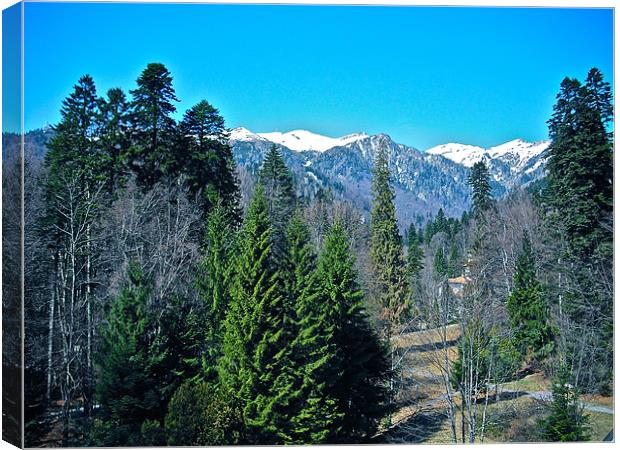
[
  {"x": 481, "y": 189},
  {"x": 73, "y": 149},
  {"x": 355, "y": 370},
  {"x": 440, "y": 266},
  {"x": 566, "y": 421},
  {"x": 279, "y": 190},
  {"x": 392, "y": 287},
  {"x": 441, "y": 223},
  {"x": 310, "y": 411},
  {"x": 579, "y": 167},
  {"x": 252, "y": 349},
  {"x": 114, "y": 138},
  {"x": 453, "y": 266},
  {"x": 415, "y": 254},
  {"x": 205, "y": 156},
  {"x": 153, "y": 127},
  {"x": 528, "y": 309},
  {"x": 127, "y": 387},
  {"x": 213, "y": 285},
  {"x": 579, "y": 198}
]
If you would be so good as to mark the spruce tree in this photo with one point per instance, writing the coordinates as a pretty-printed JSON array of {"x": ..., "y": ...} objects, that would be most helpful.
[
  {"x": 355, "y": 370},
  {"x": 279, "y": 191},
  {"x": 154, "y": 130},
  {"x": 440, "y": 265},
  {"x": 580, "y": 170},
  {"x": 566, "y": 421},
  {"x": 481, "y": 189},
  {"x": 252, "y": 349},
  {"x": 453, "y": 266},
  {"x": 73, "y": 149},
  {"x": 127, "y": 387},
  {"x": 415, "y": 254},
  {"x": 205, "y": 157},
  {"x": 389, "y": 267},
  {"x": 579, "y": 198},
  {"x": 213, "y": 284},
  {"x": 114, "y": 138},
  {"x": 528, "y": 309}
]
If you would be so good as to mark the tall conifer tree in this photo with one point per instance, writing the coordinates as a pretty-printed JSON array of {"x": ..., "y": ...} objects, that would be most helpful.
[
  {"x": 153, "y": 127},
  {"x": 205, "y": 156},
  {"x": 279, "y": 190},
  {"x": 252, "y": 350}
]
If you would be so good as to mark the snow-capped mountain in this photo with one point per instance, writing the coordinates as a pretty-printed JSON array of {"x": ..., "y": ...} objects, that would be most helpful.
[
  {"x": 423, "y": 181},
  {"x": 303, "y": 140},
  {"x": 511, "y": 163}
]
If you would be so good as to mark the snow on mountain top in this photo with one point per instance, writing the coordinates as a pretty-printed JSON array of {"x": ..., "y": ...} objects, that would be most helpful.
[
  {"x": 518, "y": 152},
  {"x": 466, "y": 155},
  {"x": 301, "y": 140},
  {"x": 243, "y": 134}
]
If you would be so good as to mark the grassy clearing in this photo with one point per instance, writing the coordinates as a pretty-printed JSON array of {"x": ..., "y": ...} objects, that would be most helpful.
[{"x": 423, "y": 418}]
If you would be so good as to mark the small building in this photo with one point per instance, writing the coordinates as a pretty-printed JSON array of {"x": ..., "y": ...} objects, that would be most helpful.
[{"x": 458, "y": 285}]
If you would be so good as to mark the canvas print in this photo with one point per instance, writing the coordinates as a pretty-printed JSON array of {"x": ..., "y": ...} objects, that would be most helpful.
[{"x": 230, "y": 224}]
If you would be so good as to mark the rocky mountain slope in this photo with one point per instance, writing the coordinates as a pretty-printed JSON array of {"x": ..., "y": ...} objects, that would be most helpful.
[{"x": 423, "y": 181}]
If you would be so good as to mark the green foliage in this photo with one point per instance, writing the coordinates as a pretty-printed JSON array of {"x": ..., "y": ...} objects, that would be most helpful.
[
  {"x": 205, "y": 157},
  {"x": 481, "y": 189},
  {"x": 252, "y": 350},
  {"x": 440, "y": 265},
  {"x": 389, "y": 266},
  {"x": 354, "y": 370},
  {"x": 127, "y": 388},
  {"x": 277, "y": 183},
  {"x": 579, "y": 206},
  {"x": 153, "y": 128},
  {"x": 484, "y": 357},
  {"x": 415, "y": 257},
  {"x": 580, "y": 164},
  {"x": 453, "y": 265},
  {"x": 114, "y": 139},
  {"x": 213, "y": 285},
  {"x": 566, "y": 421},
  {"x": 528, "y": 310},
  {"x": 199, "y": 415}
]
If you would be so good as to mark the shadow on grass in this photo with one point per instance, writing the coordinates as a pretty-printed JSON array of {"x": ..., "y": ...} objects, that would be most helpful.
[{"x": 414, "y": 430}]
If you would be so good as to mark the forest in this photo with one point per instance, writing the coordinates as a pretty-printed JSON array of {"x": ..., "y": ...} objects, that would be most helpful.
[{"x": 163, "y": 307}]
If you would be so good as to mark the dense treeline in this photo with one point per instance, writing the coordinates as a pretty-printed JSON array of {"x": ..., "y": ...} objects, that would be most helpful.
[
  {"x": 161, "y": 309},
  {"x": 164, "y": 314}
]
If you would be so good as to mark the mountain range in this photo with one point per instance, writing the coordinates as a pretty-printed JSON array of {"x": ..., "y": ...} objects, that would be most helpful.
[{"x": 423, "y": 181}]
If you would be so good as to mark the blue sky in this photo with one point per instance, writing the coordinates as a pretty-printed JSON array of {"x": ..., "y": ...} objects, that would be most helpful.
[{"x": 423, "y": 75}]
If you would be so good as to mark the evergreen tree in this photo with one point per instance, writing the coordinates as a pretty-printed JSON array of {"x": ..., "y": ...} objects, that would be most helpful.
[
  {"x": 213, "y": 285},
  {"x": 453, "y": 268},
  {"x": 73, "y": 149},
  {"x": 114, "y": 138},
  {"x": 481, "y": 188},
  {"x": 205, "y": 156},
  {"x": 154, "y": 129},
  {"x": 127, "y": 387},
  {"x": 252, "y": 350},
  {"x": 311, "y": 412},
  {"x": 354, "y": 371},
  {"x": 198, "y": 415},
  {"x": 279, "y": 191},
  {"x": 415, "y": 254},
  {"x": 566, "y": 421},
  {"x": 579, "y": 198},
  {"x": 580, "y": 170},
  {"x": 528, "y": 310},
  {"x": 441, "y": 223},
  {"x": 440, "y": 266},
  {"x": 392, "y": 286}
]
